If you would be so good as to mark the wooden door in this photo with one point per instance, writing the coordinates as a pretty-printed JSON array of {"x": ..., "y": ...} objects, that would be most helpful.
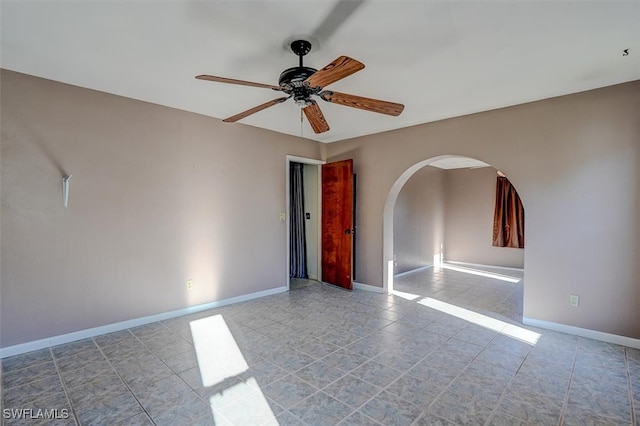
[{"x": 337, "y": 223}]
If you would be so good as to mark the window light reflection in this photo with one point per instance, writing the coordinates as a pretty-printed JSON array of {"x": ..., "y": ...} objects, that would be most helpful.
[
  {"x": 405, "y": 295},
  {"x": 219, "y": 357},
  {"x": 253, "y": 407},
  {"x": 480, "y": 273},
  {"x": 222, "y": 364},
  {"x": 494, "y": 324}
]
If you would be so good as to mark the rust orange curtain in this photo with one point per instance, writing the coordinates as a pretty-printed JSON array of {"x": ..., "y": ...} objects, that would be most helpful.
[{"x": 508, "y": 217}]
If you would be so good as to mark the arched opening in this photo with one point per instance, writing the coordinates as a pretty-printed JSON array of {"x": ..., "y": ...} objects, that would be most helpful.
[{"x": 414, "y": 240}]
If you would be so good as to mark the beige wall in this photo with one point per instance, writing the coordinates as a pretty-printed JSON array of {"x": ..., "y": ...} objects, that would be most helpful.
[
  {"x": 470, "y": 196},
  {"x": 419, "y": 219},
  {"x": 158, "y": 196},
  {"x": 575, "y": 161}
]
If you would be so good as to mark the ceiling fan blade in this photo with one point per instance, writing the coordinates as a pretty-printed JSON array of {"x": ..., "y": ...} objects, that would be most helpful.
[
  {"x": 253, "y": 110},
  {"x": 367, "y": 104},
  {"x": 240, "y": 82},
  {"x": 316, "y": 118},
  {"x": 336, "y": 70}
]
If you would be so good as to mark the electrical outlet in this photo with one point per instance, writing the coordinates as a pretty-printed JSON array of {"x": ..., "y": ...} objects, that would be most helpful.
[
  {"x": 574, "y": 300},
  {"x": 282, "y": 217},
  {"x": 189, "y": 284}
]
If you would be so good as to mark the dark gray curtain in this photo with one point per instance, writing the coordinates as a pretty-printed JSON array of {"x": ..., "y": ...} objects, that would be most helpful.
[{"x": 297, "y": 242}]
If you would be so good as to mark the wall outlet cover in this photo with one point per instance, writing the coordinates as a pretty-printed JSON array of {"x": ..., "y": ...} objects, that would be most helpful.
[{"x": 574, "y": 300}]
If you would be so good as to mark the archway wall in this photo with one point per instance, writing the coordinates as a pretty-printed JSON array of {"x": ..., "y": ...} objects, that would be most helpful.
[
  {"x": 575, "y": 161},
  {"x": 418, "y": 221},
  {"x": 470, "y": 201},
  {"x": 451, "y": 209}
]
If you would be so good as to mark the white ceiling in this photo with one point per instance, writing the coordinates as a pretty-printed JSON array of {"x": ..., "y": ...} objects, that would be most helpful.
[
  {"x": 450, "y": 163},
  {"x": 440, "y": 58}
]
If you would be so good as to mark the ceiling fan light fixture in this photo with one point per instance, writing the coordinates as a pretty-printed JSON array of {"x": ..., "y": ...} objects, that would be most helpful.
[{"x": 303, "y": 102}]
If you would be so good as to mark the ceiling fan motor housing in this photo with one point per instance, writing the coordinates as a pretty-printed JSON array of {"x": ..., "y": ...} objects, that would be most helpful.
[{"x": 294, "y": 78}]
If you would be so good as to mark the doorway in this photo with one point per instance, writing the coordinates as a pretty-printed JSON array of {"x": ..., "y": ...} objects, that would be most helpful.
[
  {"x": 321, "y": 229},
  {"x": 311, "y": 214}
]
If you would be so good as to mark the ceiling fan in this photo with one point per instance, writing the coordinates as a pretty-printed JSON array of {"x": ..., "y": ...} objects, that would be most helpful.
[{"x": 302, "y": 83}]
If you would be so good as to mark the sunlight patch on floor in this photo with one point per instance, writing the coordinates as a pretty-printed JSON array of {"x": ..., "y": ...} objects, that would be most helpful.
[
  {"x": 481, "y": 273},
  {"x": 219, "y": 357},
  {"x": 511, "y": 330},
  {"x": 405, "y": 295},
  {"x": 219, "y": 360},
  {"x": 246, "y": 409}
]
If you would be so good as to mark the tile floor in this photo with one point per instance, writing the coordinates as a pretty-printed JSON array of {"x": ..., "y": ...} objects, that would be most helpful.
[{"x": 321, "y": 356}]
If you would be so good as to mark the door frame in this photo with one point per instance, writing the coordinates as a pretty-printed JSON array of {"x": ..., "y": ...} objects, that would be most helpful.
[{"x": 318, "y": 164}]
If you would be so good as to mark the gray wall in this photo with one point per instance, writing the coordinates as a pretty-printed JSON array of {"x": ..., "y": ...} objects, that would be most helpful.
[
  {"x": 158, "y": 196},
  {"x": 575, "y": 161},
  {"x": 419, "y": 218},
  {"x": 470, "y": 196}
]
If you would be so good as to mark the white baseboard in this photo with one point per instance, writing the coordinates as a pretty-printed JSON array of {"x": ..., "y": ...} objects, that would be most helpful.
[
  {"x": 367, "y": 287},
  {"x": 583, "y": 332},
  {"x": 480, "y": 265},
  {"x": 123, "y": 325},
  {"x": 413, "y": 271}
]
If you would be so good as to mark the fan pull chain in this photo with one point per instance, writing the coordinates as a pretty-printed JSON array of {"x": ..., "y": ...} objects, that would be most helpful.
[{"x": 301, "y": 120}]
